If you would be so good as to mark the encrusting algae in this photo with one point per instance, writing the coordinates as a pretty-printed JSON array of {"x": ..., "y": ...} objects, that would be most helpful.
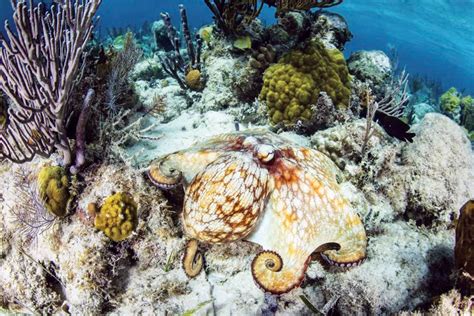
[{"x": 117, "y": 217}]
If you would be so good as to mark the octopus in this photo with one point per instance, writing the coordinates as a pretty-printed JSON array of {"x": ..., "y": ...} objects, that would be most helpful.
[{"x": 260, "y": 187}]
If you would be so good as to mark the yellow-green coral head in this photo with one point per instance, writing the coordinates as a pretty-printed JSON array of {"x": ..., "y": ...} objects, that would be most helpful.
[
  {"x": 53, "y": 187},
  {"x": 118, "y": 216},
  {"x": 450, "y": 100}
]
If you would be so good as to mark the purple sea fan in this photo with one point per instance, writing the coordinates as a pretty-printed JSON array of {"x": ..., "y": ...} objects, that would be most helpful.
[{"x": 40, "y": 62}]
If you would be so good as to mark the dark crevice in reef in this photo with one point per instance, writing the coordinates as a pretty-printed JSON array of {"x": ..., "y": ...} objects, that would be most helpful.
[
  {"x": 175, "y": 198},
  {"x": 53, "y": 281},
  {"x": 420, "y": 217},
  {"x": 122, "y": 259},
  {"x": 440, "y": 263},
  {"x": 440, "y": 277}
]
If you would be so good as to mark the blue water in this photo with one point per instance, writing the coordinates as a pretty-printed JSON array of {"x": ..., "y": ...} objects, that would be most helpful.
[{"x": 433, "y": 37}]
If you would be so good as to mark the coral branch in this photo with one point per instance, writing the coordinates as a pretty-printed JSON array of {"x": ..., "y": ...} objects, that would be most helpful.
[
  {"x": 396, "y": 96},
  {"x": 295, "y": 5},
  {"x": 233, "y": 16},
  {"x": 118, "y": 79},
  {"x": 372, "y": 107},
  {"x": 187, "y": 35},
  {"x": 173, "y": 63},
  {"x": 81, "y": 132}
]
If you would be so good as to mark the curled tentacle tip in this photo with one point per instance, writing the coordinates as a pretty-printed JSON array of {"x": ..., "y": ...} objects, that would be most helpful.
[
  {"x": 193, "y": 261},
  {"x": 264, "y": 267},
  {"x": 164, "y": 179},
  {"x": 349, "y": 264}
]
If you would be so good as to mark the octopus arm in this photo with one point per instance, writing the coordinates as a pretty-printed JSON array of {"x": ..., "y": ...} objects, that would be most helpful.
[
  {"x": 224, "y": 201},
  {"x": 309, "y": 158},
  {"x": 186, "y": 163},
  {"x": 305, "y": 212}
]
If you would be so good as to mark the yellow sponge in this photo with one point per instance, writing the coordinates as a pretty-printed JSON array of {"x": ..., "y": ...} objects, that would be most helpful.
[
  {"x": 292, "y": 85},
  {"x": 118, "y": 216}
]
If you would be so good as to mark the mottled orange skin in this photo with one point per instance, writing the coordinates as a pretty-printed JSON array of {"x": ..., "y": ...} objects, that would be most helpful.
[{"x": 260, "y": 187}]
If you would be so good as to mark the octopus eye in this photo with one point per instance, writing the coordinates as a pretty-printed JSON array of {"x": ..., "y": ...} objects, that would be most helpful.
[
  {"x": 265, "y": 153},
  {"x": 164, "y": 176}
]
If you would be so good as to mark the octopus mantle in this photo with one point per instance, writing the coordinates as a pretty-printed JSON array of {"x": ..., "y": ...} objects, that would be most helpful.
[{"x": 260, "y": 187}]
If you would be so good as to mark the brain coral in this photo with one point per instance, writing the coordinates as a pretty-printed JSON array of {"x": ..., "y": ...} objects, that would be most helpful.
[
  {"x": 193, "y": 80},
  {"x": 53, "y": 187},
  {"x": 293, "y": 85},
  {"x": 117, "y": 217}
]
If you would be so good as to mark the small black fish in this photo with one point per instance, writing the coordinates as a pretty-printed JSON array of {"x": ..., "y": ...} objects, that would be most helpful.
[{"x": 394, "y": 126}]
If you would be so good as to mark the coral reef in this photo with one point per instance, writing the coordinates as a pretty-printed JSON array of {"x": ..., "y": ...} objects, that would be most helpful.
[
  {"x": 331, "y": 30},
  {"x": 372, "y": 68},
  {"x": 450, "y": 103},
  {"x": 233, "y": 17},
  {"x": 343, "y": 144},
  {"x": 451, "y": 303},
  {"x": 293, "y": 84},
  {"x": 397, "y": 276},
  {"x": 92, "y": 222},
  {"x": 431, "y": 193},
  {"x": 418, "y": 111},
  {"x": 149, "y": 69},
  {"x": 160, "y": 33},
  {"x": 467, "y": 115},
  {"x": 119, "y": 92},
  {"x": 290, "y": 30},
  {"x": 284, "y": 6},
  {"x": 458, "y": 107},
  {"x": 262, "y": 57},
  {"x": 193, "y": 80},
  {"x": 249, "y": 73},
  {"x": 411, "y": 176},
  {"x": 219, "y": 92},
  {"x": 232, "y": 180},
  {"x": 117, "y": 217},
  {"x": 53, "y": 187},
  {"x": 31, "y": 216}
]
